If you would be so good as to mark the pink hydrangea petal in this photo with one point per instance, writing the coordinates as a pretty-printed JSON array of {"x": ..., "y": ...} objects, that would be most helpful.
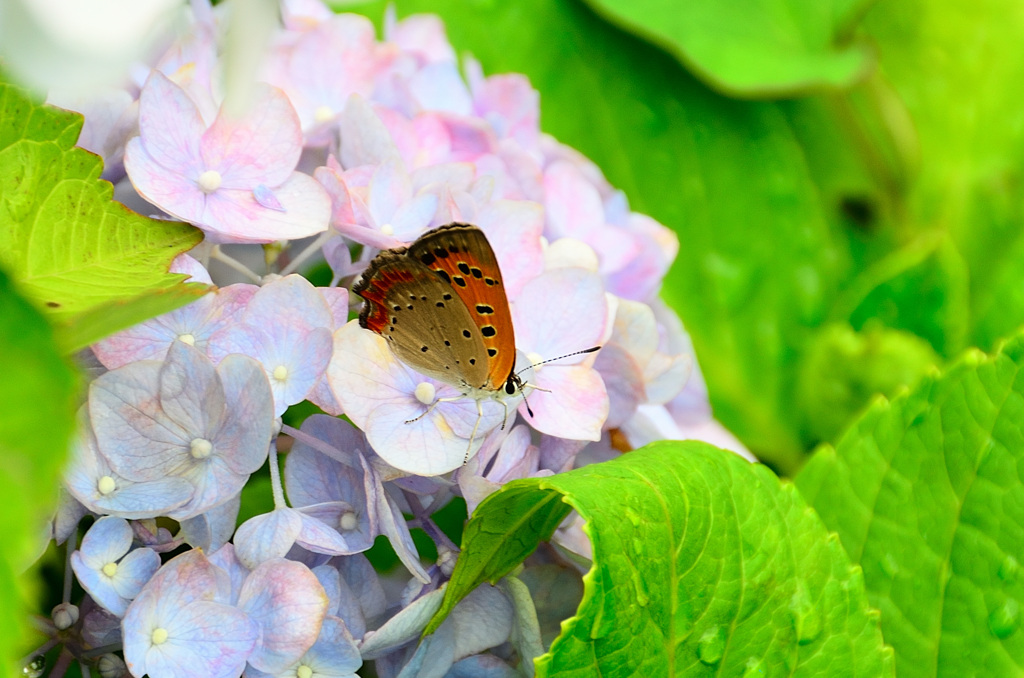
[
  {"x": 285, "y": 599},
  {"x": 421, "y": 34},
  {"x": 412, "y": 217},
  {"x": 235, "y": 216},
  {"x": 576, "y": 406},
  {"x": 514, "y": 228},
  {"x": 261, "y": 147},
  {"x": 170, "y": 126},
  {"x": 439, "y": 87},
  {"x": 390, "y": 187},
  {"x": 172, "y": 192},
  {"x": 573, "y": 205},
  {"x": 341, "y": 201},
  {"x": 364, "y": 138},
  {"x": 266, "y": 198},
  {"x": 624, "y": 382},
  {"x": 560, "y": 312},
  {"x": 196, "y": 272},
  {"x": 470, "y": 137}
]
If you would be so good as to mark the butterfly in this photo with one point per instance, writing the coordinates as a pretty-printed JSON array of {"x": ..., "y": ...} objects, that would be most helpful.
[{"x": 440, "y": 303}]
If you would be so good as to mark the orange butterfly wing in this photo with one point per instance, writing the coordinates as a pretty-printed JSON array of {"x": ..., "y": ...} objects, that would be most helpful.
[{"x": 461, "y": 255}]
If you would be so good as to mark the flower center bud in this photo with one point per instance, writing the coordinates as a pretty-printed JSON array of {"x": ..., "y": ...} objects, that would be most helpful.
[
  {"x": 110, "y": 569},
  {"x": 64, "y": 616},
  {"x": 303, "y": 672},
  {"x": 280, "y": 373},
  {"x": 159, "y": 636},
  {"x": 323, "y": 114},
  {"x": 201, "y": 448},
  {"x": 209, "y": 181},
  {"x": 106, "y": 485},
  {"x": 348, "y": 521},
  {"x": 187, "y": 339},
  {"x": 425, "y": 392},
  {"x": 535, "y": 360},
  {"x": 387, "y": 229}
]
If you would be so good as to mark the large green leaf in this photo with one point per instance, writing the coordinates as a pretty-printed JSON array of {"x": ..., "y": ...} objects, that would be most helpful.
[
  {"x": 91, "y": 264},
  {"x": 760, "y": 259},
  {"x": 753, "y": 47},
  {"x": 926, "y": 493},
  {"x": 37, "y": 390},
  {"x": 703, "y": 565}
]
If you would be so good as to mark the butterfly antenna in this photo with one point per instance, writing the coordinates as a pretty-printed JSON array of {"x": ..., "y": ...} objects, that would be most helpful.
[{"x": 551, "y": 360}]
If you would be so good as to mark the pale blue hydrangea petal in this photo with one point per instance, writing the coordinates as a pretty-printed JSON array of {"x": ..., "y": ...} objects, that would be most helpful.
[
  {"x": 330, "y": 579},
  {"x": 403, "y": 627},
  {"x": 204, "y": 640},
  {"x": 91, "y": 481},
  {"x": 212, "y": 529},
  {"x": 203, "y": 636},
  {"x": 224, "y": 558},
  {"x": 191, "y": 394},
  {"x": 287, "y": 602},
  {"x": 132, "y": 434},
  {"x": 481, "y": 666},
  {"x": 334, "y": 655},
  {"x": 107, "y": 541},
  {"x": 434, "y": 655},
  {"x": 267, "y": 536},
  {"x": 134, "y": 570},
  {"x": 362, "y": 580},
  {"x": 247, "y": 432}
]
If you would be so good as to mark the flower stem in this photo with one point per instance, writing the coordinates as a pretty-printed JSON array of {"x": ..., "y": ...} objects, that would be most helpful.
[
  {"x": 429, "y": 526},
  {"x": 68, "y": 572},
  {"x": 310, "y": 250},
  {"x": 314, "y": 442},
  {"x": 275, "y": 479},
  {"x": 218, "y": 254}
]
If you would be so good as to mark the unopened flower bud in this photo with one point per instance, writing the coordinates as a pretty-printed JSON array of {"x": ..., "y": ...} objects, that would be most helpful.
[
  {"x": 446, "y": 560},
  {"x": 64, "y": 616},
  {"x": 112, "y": 666}
]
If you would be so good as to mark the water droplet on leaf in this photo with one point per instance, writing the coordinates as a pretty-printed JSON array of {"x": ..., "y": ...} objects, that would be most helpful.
[
  {"x": 711, "y": 646},
  {"x": 1005, "y": 619}
]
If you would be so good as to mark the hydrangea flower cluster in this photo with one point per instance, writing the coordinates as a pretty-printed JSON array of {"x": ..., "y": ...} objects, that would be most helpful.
[{"x": 349, "y": 145}]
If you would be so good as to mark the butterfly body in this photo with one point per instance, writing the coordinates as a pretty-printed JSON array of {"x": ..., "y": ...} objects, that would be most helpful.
[{"x": 441, "y": 305}]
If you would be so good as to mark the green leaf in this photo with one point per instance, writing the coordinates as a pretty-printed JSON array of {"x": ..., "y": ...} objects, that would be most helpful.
[
  {"x": 90, "y": 263},
  {"x": 751, "y": 47},
  {"x": 926, "y": 494},
  {"x": 760, "y": 260},
  {"x": 37, "y": 404},
  {"x": 703, "y": 565}
]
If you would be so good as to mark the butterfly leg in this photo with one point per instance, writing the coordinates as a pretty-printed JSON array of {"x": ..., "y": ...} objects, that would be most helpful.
[
  {"x": 431, "y": 408},
  {"x": 476, "y": 426}
]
